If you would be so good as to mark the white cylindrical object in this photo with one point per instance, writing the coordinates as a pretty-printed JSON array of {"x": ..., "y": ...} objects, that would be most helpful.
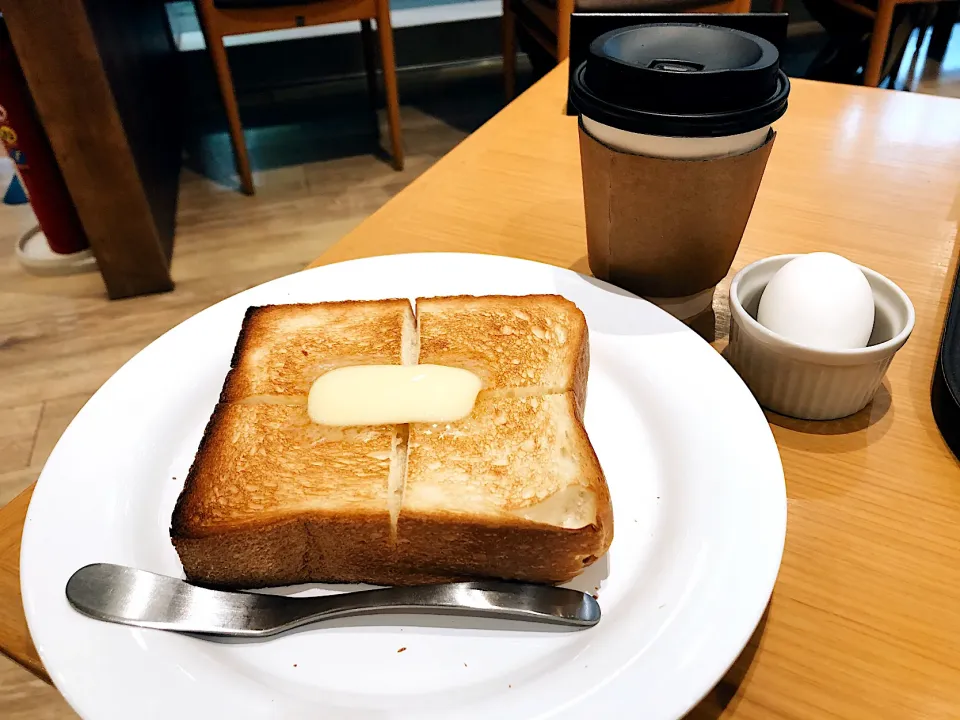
[
  {"x": 804, "y": 382},
  {"x": 679, "y": 148},
  {"x": 687, "y": 306},
  {"x": 37, "y": 258}
]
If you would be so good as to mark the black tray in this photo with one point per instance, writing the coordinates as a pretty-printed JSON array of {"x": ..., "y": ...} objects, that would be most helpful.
[{"x": 945, "y": 393}]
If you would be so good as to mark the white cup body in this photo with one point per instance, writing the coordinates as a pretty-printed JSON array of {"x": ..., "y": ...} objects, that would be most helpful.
[{"x": 679, "y": 148}]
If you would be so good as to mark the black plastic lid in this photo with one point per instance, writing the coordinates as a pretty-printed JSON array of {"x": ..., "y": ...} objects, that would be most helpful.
[{"x": 681, "y": 81}]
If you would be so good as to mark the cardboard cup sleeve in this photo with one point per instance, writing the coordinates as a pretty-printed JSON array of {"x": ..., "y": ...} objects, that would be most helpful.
[{"x": 661, "y": 227}]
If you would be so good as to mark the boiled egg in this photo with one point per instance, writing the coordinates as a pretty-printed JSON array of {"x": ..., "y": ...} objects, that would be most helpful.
[{"x": 820, "y": 300}]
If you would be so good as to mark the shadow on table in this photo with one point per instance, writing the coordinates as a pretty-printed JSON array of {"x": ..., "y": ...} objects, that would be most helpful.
[
  {"x": 879, "y": 412},
  {"x": 704, "y": 324},
  {"x": 725, "y": 694}
]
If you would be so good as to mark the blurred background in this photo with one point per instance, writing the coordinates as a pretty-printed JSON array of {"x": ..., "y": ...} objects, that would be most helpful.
[{"x": 316, "y": 153}]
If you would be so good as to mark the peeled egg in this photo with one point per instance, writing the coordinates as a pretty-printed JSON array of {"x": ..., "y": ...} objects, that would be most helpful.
[{"x": 820, "y": 300}]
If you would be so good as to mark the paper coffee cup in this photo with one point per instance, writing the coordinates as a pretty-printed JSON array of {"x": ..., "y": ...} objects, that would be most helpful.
[{"x": 675, "y": 132}]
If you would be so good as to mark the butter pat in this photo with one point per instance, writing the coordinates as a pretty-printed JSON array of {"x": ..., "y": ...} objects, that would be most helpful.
[{"x": 392, "y": 394}]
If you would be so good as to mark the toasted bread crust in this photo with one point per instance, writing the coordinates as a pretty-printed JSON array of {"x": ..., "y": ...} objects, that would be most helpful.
[
  {"x": 480, "y": 529},
  {"x": 580, "y": 371},
  {"x": 446, "y": 546},
  {"x": 283, "y": 349},
  {"x": 503, "y": 457},
  {"x": 260, "y": 463},
  {"x": 247, "y": 515},
  {"x": 534, "y": 343},
  {"x": 272, "y": 499},
  {"x": 185, "y": 507},
  {"x": 310, "y": 547}
]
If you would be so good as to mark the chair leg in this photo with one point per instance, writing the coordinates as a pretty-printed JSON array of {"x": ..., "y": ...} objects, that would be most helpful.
[
  {"x": 370, "y": 61},
  {"x": 878, "y": 43},
  {"x": 564, "y": 11},
  {"x": 387, "y": 58},
  {"x": 218, "y": 54},
  {"x": 508, "y": 28}
]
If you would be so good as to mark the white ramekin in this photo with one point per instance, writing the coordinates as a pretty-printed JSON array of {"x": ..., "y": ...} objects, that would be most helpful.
[{"x": 804, "y": 382}]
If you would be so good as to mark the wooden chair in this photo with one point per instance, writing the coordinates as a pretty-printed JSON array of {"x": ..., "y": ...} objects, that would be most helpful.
[
  {"x": 219, "y": 18},
  {"x": 880, "y": 36},
  {"x": 548, "y": 23}
]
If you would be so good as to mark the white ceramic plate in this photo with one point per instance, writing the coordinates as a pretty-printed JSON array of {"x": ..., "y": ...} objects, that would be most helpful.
[{"x": 699, "y": 507}]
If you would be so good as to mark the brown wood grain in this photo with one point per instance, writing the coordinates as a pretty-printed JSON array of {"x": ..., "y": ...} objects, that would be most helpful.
[
  {"x": 102, "y": 76},
  {"x": 237, "y": 21},
  {"x": 16, "y": 642},
  {"x": 864, "y": 621},
  {"x": 865, "y": 618}
]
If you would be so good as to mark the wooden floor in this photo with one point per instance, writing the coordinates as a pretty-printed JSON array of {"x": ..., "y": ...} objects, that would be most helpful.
[
  {"x": 932, "y": 78},
  {"x": 60, "y": 339}
]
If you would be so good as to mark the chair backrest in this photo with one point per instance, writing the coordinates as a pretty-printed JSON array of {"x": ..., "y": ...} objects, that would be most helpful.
[{"x": 249, "y": 4}]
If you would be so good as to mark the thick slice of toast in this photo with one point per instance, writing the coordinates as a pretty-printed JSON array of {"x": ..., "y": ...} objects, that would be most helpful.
[
  {"x": 532, "y": 344},
  {"x": 274, "y": 499},
  {"x": 512, "y": 491},
  {"x": 282, "y": 349}
]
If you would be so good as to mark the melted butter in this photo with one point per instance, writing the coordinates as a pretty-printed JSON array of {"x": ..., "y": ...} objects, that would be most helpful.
[{"x": 392, "y": 394}]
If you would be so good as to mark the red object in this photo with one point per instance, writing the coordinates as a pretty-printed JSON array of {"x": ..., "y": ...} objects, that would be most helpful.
[{"x": 27, "y": 145}]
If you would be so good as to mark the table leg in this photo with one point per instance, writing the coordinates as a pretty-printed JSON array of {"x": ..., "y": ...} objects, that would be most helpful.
[{"x": 103, "y": 78}]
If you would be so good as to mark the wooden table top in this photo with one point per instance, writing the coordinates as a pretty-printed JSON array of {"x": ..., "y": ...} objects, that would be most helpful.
[{"x": 865, "y": 617}]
